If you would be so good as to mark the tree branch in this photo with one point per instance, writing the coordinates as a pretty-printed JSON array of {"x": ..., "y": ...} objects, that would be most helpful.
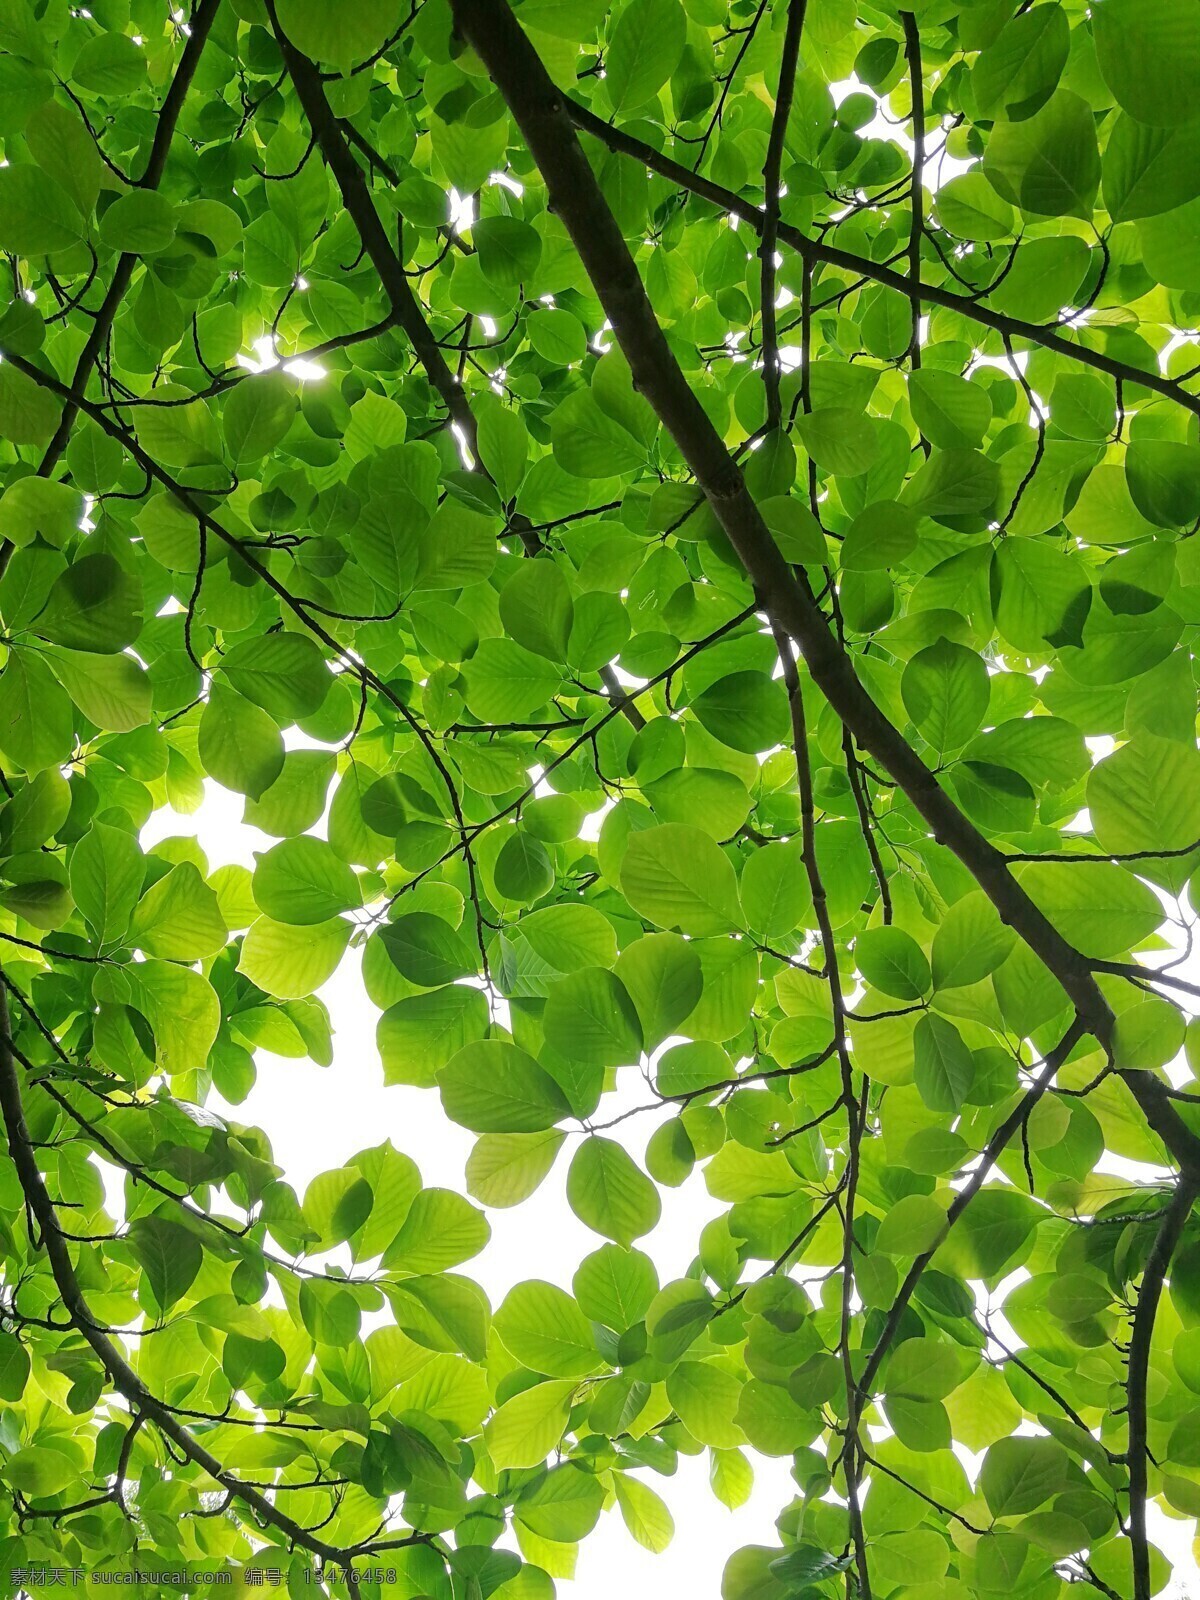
[
  {"x": 816, "y": 252},
  {"x": 542, "y": 114},
  {"x": 1174, "y": 1219},
  {"x": 770, "y": 231}
]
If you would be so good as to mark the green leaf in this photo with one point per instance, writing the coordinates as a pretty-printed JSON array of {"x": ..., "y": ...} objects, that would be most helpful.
[
  {"x": 440, "y": 1230},
  {"x": 946, "y": 692},
  {"x": 426, "y": 949},
  {"x": 675, "y": 876},
  {"x": 524, "y": 1430},
  {"x": 240, "y": 745},
  {"x": 95, "y": 605},
  {"x": 290, "y": 962},
  {"x": 882, "y": 534},
  {"x": 951, "y": 412},
  {"x": 1149, "y": 54},
  {"x": 329, "y": 1312},
  {"x": 524, "y": 871},
  {"x": 257, "y": 415},
  {"x": 615, "y": 1286},
  {"x": 644, "y": 50},
  {"x": 609, "y": 1193},
  {"x": 1049, "y": 164},
  {"x": 705, "y": 1399},
  {"x": 893, "y": 962},
  {"x": 39, "y": 1471},
  {"x": 35, "y": 715},
  {"x": 38, "y": 506},
  {"x": 1145, "y": 796},
  {"x": 590, "y": 1019},
  {"x": 557, "y": 335},
  {"x": 839, "y": 440},
  {"x": 537, "y": 609},
  {"x": 563, "y": 1505},
  {"x": 113, "y": 691},
  {"x": 644, "y": 1513},
  {"x": 302, "y": 881},
  {"x": 107, "y": 870},
  {"x": 418, "y": 1036},
  {"x": 507, "y": 683},
  {"x": 570, "y": 936},
  {"x": 14, "y": 1367},
  {"x": 338, "y": 41},
  {"x": 747, "y": 711},
  {"x": 37, "y": 215},
  {"x": 1018, "y": 71},
  {"x": 505, "y": 1168},
  {"x": 1021, "y": 1475},
  {"x": 953, "y": 483},
  {"x": 110, "y": 64},
  {"x": 1099, "y": 908},
  {"x": 588, "y": 443},
  {"x": 141, "y": 222},
  {"x": 284, "y": 673},
  {"x": 545, "y": 1330},
  {"x": 494, "y": 1087},
  {"x": 1149, "y": 171},
  {"x": 663, "y": 977},
  {"x": 178, "y": 917},
  {"x": 944, "y": 1065},
  {"x": 968, "y": 205},
  {"x": 970, "y": 943},
  {"x": 169, "y": 1254},
  {"x": 922, "y": 1369}
]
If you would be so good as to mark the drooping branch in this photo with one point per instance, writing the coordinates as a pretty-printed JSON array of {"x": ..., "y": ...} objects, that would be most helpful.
[{"x": 855, "y": 1111}]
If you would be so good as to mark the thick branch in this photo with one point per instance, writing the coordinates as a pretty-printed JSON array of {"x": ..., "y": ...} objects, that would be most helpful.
[{"x": 542, "y": 114}]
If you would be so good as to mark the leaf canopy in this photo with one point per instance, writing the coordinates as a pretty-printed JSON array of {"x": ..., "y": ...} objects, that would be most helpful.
[{"x": 673, "y": 523}]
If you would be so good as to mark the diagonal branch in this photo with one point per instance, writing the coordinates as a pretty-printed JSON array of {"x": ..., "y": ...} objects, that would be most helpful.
[
  {"x": 815, "y": 252},
  {"x": 855, "y": 1116},
  {"x": 1003, "y": 1136},
  {"x": 356, "y": 197},
  {"x": 542, "y": 114},
  {"x": 201, "y": 26},
  {"x": 916, "y": 78}
]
